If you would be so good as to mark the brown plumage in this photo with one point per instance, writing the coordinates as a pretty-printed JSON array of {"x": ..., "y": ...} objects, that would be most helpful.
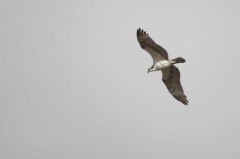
[
  {"x": 170, "y": 74},
  {"x": 171, "y": 78},
  {"x": 156, "y": 51}
]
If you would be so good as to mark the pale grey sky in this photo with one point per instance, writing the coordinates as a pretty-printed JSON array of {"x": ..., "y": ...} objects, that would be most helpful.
[{"x": 74, "y": 83}]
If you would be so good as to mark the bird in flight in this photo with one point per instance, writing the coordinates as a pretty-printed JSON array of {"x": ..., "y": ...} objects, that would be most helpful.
[{"x": 170, "y": 73}]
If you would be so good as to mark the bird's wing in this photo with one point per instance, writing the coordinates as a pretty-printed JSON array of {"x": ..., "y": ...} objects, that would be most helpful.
[
  {"x": 171, "y": 78},
  {"x": 157, "y": 52}
]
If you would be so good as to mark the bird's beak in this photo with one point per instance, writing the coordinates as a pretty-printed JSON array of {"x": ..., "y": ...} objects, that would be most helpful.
[{"x": 148, "y": 71}]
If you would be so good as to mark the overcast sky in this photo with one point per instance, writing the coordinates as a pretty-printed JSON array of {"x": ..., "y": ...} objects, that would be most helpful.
[{"x": 74, "y": 82}]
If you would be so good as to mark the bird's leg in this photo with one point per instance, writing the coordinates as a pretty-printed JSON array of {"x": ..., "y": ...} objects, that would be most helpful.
[{"x": 150, "y": 69}]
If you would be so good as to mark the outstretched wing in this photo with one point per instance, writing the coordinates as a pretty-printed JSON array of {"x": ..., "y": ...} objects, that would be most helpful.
[
  {"x": 171, "y": 78},
  {"x": 157, "y": 52}
]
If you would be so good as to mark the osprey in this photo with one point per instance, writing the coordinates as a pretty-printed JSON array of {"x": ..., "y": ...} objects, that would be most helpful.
[{"x": 170, "y": 73}]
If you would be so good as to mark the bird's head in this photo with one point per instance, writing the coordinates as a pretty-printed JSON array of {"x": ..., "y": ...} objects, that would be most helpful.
[{"x": 150, "y": 70}]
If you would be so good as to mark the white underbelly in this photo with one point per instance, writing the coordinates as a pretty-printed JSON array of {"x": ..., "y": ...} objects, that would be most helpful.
[{"x": 162, "y": 64}]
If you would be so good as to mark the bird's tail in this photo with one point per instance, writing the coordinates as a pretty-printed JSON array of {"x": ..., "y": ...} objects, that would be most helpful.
[{"x": 178, "y": 60}]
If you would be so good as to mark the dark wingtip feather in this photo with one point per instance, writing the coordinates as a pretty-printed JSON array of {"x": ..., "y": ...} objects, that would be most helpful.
[
  {"x": 182, "y": 99},
  {"x": 138, "y": 32},
  {"x": 141, "y": 32},
  {"x": 185, "y": 101}
]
